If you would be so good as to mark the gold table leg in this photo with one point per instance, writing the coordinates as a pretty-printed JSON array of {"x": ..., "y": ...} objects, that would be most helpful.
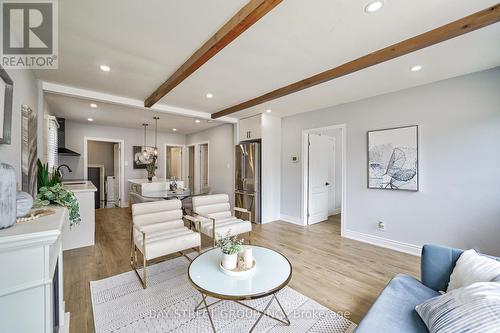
[{"x": 262, "y": 313}]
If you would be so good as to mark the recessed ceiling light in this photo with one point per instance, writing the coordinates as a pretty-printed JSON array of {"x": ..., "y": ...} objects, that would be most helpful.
[
  {"x": 174, "y": 129},
  {"x": 91, "y": 119},
  {"x": 416, "y": 68},
  {"x": 374, "y": 6},
  {"x": 105, "y": 68},
  {"x": 93, "y": 105},
  {"x": 197, "y": 121},
  {"x": 209, "y": 95},
  {"x": 269, "y": 110}
]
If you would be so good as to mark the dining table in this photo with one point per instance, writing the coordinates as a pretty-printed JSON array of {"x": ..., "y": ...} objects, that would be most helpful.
[{"x": 168, "y": 194}]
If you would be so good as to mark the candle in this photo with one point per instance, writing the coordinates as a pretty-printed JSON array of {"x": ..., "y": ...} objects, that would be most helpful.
[{"x": 248, "y": 257}]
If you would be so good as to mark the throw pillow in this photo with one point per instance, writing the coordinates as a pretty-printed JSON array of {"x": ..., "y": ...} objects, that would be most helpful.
[
  {"x": 472, "y": 267},
  {"x": 475, "y": 308}
]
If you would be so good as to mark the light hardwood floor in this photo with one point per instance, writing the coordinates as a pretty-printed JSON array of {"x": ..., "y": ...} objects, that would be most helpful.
[{"x": 342, "y": 274}]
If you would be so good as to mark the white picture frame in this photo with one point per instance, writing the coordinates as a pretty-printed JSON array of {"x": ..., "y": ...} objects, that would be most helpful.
[{"x": 393, "y": 159}]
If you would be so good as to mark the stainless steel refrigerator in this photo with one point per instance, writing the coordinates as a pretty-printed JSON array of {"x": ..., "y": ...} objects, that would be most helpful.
[{"x": 247, "y": 188}]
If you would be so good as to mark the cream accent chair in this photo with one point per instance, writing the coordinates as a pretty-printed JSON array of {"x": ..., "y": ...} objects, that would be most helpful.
[
  {"x": 158, "y": 230},
  {"x": 215, "y": 217}
]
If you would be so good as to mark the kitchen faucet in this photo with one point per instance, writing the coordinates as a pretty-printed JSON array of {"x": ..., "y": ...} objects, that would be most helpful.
[{"x": 59, "y": 169}]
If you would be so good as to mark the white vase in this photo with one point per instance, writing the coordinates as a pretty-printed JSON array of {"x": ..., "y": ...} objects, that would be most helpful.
[
  {"x": 7, "y": 196},
  {"x": 229, "y": 261}
]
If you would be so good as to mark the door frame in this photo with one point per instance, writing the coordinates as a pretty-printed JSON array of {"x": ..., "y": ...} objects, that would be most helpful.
[
  {"x": 197, "y": 163},
  {"x": 305, "y": 173},
  {"x": 183, "y": 160},
  {"x": 121, "y": 142},
  {"x": 335, "y": 209}
]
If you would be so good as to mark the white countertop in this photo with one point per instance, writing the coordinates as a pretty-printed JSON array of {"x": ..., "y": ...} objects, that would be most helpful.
[{"x": 79, "y": 186}]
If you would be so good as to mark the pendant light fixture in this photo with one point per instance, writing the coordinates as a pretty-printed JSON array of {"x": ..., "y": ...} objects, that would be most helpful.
[
  {"x": 145, "y": 150},
  {"x": 156, "y": 135}
]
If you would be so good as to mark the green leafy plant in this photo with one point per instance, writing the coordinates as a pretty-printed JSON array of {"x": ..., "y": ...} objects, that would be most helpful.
[
  {"x": 228, "y": 244},
  {"x": 50, "y": 191},
  {"x": 46, "y": 177},
  {"x": 60, "y": 196}
]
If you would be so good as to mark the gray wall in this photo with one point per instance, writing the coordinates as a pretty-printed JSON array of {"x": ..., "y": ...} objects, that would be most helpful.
[
  {"x": 75, "y": 133},
  {"x": 221, "y": 157},
  {"x": 25, "y": 92},
  {"x": 458, "y": 202},
  {"x": 101, "y": 153}
]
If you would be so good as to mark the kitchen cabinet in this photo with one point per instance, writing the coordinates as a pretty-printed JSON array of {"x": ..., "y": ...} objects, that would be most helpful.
[{"x": 251, "y": 128}]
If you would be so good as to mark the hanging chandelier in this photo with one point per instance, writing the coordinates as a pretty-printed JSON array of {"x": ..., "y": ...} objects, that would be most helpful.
[
  {"x": 146, "y": 155},
  {"x": 156, "y": 136}
]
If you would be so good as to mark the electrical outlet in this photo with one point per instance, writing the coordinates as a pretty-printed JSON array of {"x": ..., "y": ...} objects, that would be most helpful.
[{"x": 381, "y": 226}]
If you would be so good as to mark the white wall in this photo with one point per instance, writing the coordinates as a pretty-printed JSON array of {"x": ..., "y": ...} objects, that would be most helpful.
[
  {"x": 221, "y": 157},
  {"x": 26, "y": 91},
  {"x": 75, "y": 133},
  {"x": 271, "y": 168},
  {"x": 458, "y": 202}
]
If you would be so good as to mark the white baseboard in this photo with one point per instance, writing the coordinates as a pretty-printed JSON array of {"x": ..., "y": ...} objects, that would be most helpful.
[
  {"x": 291, "y": 219},
  {"x": 336, "y": 211},
  {"x": 65, "y": 327},
  {"x": 384, "y": 242}
]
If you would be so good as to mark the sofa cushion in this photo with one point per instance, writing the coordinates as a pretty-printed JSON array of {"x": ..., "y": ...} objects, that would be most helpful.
[
  {"x": 475, "y": 308},
  {"x": 472, "y": 267},
  {"x": 394, "y": 309}
]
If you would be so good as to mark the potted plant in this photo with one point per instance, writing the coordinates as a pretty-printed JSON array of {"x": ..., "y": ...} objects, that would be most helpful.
[
  {"x": 50, "y": 191},
  {"x": 230, "y": 247},
  {"x": 151, "y": 168}
]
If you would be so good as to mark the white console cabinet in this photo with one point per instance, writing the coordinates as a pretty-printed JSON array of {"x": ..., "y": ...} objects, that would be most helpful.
[{"x": 31, "y": 278}]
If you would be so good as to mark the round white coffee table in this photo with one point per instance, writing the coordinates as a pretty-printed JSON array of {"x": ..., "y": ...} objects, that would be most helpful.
[{"x": 273, "y": 272}]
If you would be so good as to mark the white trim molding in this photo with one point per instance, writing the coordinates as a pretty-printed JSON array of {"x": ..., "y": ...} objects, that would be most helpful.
[
  {"x": 305, "y": 171},
  {"x": 121, "y": 181},
  {"x": 383, "y": 242},
  {"x": 60, "y": 89},
  {"x": 291, "y": 219}
]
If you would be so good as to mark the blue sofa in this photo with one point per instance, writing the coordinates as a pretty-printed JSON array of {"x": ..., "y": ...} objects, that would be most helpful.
[{"x": 394, "y": 309}]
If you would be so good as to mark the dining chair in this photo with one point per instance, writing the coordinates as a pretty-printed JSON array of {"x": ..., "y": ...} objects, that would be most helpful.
[{"x": 158, "y": 230}]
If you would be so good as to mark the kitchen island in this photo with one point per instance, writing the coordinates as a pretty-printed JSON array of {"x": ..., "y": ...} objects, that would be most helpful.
[{"x": 83, "y": 233}]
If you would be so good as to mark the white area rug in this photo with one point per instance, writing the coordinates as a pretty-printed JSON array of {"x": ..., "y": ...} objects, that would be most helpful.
[{"x": 167, "y": 305}]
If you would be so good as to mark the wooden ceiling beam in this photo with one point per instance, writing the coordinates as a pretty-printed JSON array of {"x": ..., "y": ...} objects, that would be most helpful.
[
  {"x": 457, "y": 28},
  {"x": 239, "y": 23}
]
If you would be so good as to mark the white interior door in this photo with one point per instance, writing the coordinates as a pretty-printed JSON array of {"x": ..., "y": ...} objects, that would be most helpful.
[
  {"x": 318, "y": 178},
  {"x": 116, "y": 172}
]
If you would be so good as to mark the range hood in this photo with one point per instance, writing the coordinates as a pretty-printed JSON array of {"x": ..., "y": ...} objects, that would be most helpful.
[{"x": 61, "y": 139}]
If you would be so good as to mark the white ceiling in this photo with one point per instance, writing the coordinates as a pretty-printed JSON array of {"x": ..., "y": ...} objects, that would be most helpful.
[
  {"x": 107, "y": 114},
  {"x": 145, "y": 44}
]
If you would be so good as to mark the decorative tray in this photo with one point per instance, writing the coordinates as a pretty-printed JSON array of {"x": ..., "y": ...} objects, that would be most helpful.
[{"x": 237, "y": 272}]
